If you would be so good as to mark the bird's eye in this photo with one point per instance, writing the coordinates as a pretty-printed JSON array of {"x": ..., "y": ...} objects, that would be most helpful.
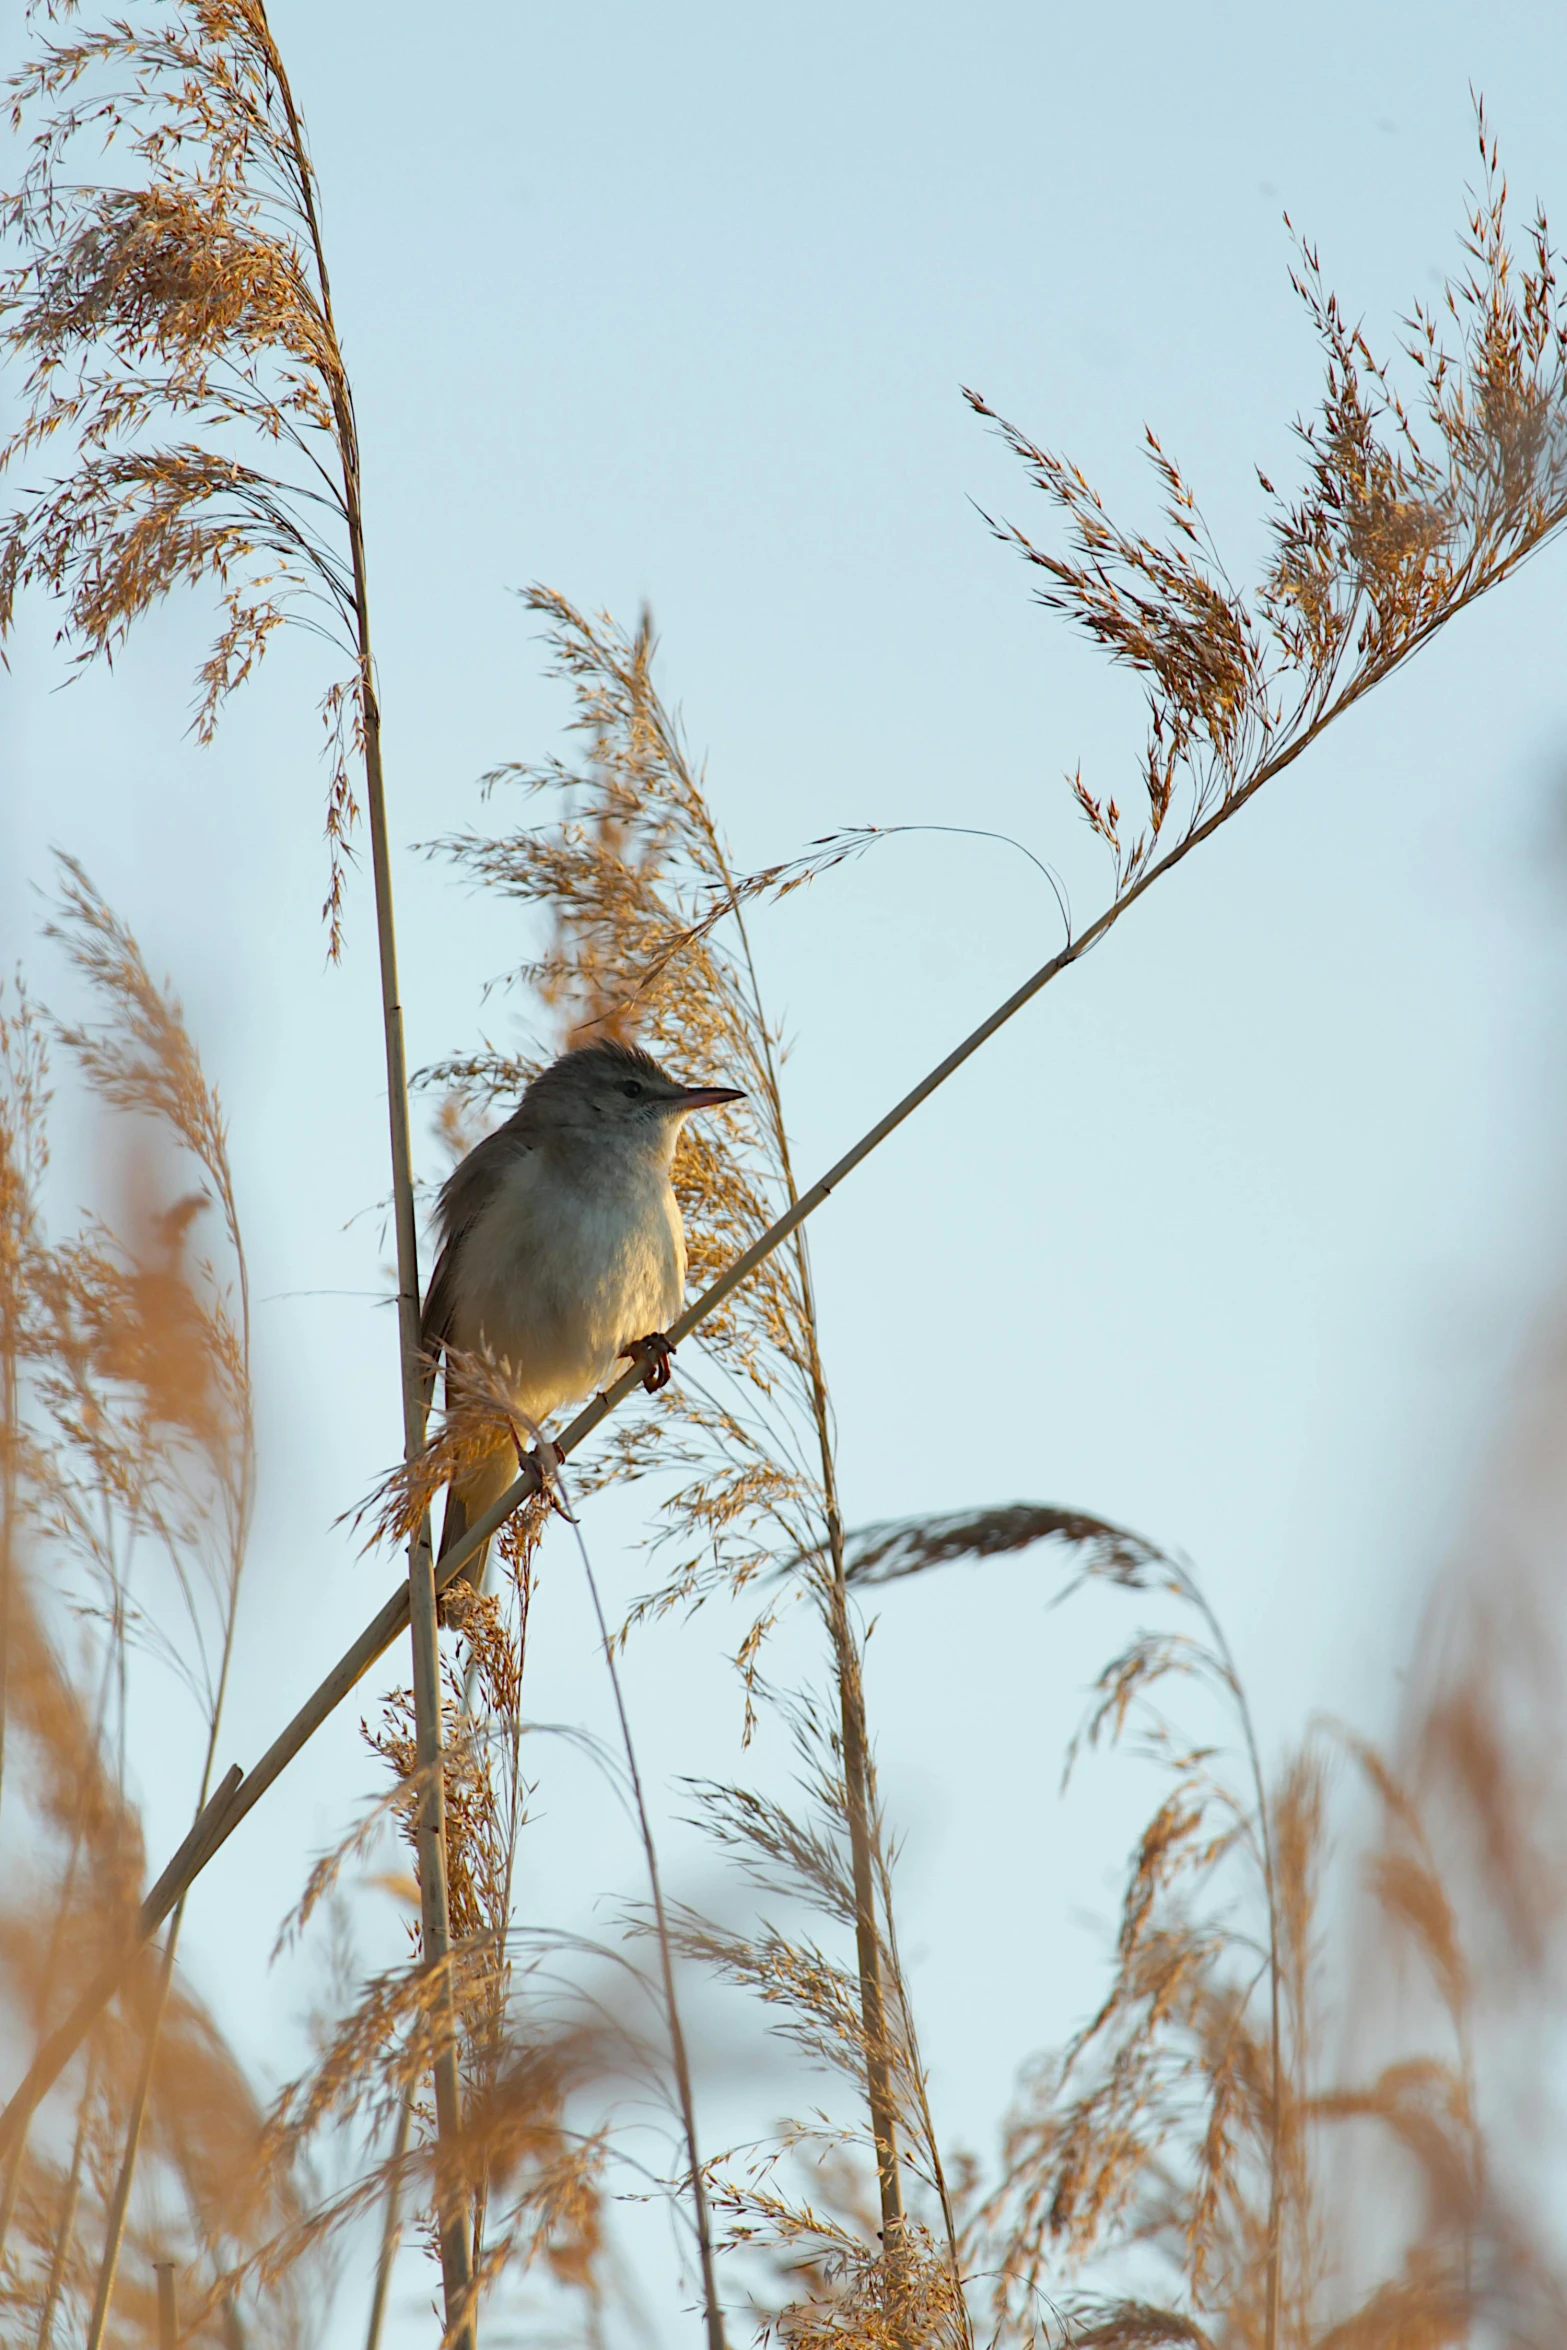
[{"x": 631, "y": 1089}]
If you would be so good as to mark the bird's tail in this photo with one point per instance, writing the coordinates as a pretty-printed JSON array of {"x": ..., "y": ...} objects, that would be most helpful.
[
  {"x": 467, "y": 1499},
  {"x": 454, "y": 1525}
]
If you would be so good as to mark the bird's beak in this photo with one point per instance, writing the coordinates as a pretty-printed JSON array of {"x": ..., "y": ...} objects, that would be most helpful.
[{"x": 705, "y": 1097}]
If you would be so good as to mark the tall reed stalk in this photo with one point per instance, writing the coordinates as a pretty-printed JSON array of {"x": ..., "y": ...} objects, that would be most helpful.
[
  {"x": 65, "y": 2226},
  {"x": 864, "y": 1845},
  {"x": 712, "y": 2308},
  {"x": 200, "y": 289}
]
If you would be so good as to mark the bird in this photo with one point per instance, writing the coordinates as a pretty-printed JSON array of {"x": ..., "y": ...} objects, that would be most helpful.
[{"x": 562, "y": 1249}]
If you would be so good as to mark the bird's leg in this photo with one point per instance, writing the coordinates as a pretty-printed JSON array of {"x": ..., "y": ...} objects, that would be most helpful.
[{"x": 654, "y": 1355}]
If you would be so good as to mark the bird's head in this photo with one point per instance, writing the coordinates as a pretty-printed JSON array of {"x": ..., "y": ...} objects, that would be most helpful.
[{"x": 617, "y": 1094}]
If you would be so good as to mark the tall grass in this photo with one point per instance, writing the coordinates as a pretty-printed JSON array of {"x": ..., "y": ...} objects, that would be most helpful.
[{"x": 1170, "y": 2174}]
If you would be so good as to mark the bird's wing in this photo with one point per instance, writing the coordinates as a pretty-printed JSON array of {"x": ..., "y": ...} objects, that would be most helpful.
[
  {"x": 436, "y": 1321},
  {"x": 465, "y": 1195}
]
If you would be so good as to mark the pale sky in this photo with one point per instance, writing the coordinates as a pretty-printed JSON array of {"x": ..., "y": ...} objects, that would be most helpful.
[{"x": 1235, "y": 1235}]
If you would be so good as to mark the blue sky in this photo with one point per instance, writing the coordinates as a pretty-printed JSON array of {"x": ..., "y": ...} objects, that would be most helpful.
[{"x": 1236, "y": 1234}]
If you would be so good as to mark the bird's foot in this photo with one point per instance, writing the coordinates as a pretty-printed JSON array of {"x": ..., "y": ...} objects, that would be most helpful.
[
  {"x": 547, "y": 1459},
  {"x": 654, "y": 1355}
]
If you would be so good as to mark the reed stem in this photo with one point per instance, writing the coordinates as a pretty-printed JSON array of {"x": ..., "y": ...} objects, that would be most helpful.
[
  {"x": 677, "y": 2040},
  {"x": 119, "y": 2205},
  {"x": 391, "y": 2228},
  {"x": 167, "y": 2273},
  {"x": 867, "y": 1932},
  {"x": 848, "y": 1670},
  {"x": 430, "y": 1832},
  {"x": 66, "y": 2228}
]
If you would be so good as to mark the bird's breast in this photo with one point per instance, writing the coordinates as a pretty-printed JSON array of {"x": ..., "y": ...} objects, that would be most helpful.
[{"x": 564, "y": 1269}]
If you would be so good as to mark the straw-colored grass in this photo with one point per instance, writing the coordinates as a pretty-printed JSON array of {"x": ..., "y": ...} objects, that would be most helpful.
[{"x": 1173, "y": 2174}]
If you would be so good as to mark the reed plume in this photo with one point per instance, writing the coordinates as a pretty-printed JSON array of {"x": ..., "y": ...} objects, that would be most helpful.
[
  {"x": 1273, "y": 2127},
  {"x": 130, "y": 1446},
  {"x": 1413, "y": 505}
]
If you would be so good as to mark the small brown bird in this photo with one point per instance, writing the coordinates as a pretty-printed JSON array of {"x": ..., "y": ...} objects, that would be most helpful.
[{"x": 562, "y": 1249}]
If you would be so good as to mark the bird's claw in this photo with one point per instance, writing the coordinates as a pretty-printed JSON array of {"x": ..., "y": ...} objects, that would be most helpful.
[{"x": 655, "y": 1356}]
